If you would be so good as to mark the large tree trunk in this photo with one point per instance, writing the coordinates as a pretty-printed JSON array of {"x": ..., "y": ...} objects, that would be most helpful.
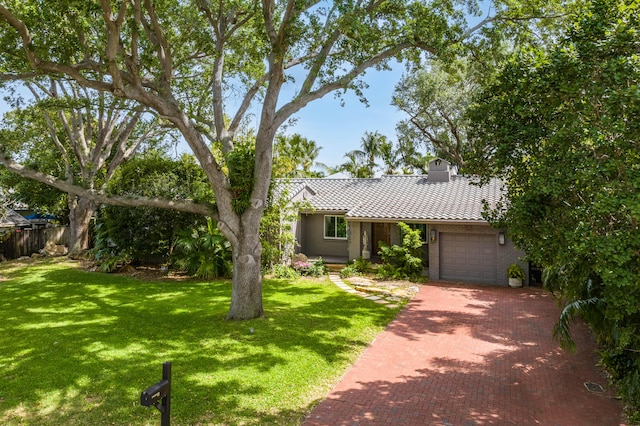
[
  {"x": 246, "y": 293},
  {"x": 80, "y": 212}
]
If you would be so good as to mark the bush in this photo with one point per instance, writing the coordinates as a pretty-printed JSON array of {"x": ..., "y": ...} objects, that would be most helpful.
[
  {"x": 349, "y": 271},
  {"x": 402, "y": 262},
  {"x": 151, "y": 232},
  {"x": 112, "y": 261},
  {"x": 362, "y": 265},
  {"x": 315, "y": 268},
  {"x": 284, "y": 272},
  {"x": 108, "y": 257},
  {"x": 203, "y": 252}
]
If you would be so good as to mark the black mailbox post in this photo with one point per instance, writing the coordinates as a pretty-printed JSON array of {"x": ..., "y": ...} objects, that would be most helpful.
[{"x": 159, "y": 395}]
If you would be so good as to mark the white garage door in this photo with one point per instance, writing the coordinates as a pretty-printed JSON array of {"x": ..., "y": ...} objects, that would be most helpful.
[{"x": 468, "y": 257}]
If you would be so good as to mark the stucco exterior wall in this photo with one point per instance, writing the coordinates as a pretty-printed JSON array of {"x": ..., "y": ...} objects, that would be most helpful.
[
  {"x": 505, "y": 254},
  {"x": 354, "y": 239},
  {"x": 312, "y": 238}
]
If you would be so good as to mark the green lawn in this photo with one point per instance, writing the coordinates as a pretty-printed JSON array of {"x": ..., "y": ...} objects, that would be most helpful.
[{"x": 77, "y": 348}]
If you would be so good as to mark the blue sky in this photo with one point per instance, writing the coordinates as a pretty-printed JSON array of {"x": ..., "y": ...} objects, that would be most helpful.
[{"x": 339, "y": 129}]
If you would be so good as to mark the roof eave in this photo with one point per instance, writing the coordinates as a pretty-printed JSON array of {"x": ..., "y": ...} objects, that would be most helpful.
[{"x": 419, "y": 220}]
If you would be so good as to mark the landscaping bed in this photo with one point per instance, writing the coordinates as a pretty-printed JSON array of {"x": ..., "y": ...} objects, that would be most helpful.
[{"x": 390, "y": 290}]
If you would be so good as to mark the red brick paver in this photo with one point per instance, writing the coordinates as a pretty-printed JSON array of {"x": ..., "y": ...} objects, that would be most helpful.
[{"x": 472, "y": 355}]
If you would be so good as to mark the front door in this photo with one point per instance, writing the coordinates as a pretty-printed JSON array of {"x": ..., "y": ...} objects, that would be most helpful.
[{"x": 381, "y": 234}]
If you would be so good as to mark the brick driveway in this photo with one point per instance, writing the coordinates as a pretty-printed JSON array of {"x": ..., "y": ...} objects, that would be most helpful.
[{"x": 472, "y": 355}]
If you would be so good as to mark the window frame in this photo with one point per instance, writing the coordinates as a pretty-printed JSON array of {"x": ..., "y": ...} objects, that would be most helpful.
[
  {"x": 423, "y": 236},
  {"x": 335, "y": 227}
]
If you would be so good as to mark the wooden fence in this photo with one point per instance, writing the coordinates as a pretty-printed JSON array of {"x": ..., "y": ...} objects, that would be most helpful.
[{"x": 25, "y": 242}]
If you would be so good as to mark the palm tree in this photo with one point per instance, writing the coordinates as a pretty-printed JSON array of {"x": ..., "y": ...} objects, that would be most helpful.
[
  {"x": 296, "y": 156},
  {"x": 356, "y": 165},
  {"x": 371, "y": 144},
  {"x": 389, "y": 156}
]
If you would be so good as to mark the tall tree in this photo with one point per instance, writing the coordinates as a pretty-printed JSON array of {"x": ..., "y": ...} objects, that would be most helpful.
[
  {"x": 361, "y": 163},
  {"x": 355, "y": 165},
  {"x": 186, "y": 59},
  {"x": 435, "y": 100},
  {"x": 562, "y": 128},
  {"x": 79, "y": 136},
  {"x": 389, "y": 156},
  {"x": 371, "y": 144},
  {"x": 295, "y": 156}
]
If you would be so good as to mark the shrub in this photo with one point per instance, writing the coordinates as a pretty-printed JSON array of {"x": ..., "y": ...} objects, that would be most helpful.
[
  {"x": 111, "y": 261},
  {"x": 203, "y": 252},
  {"x": 348, "y": 271},
  {"x": 284, "y": 271},
  {"x": 362, "y": 265},
  {"x": 402, "y": 262},
  {"x": 150, "y": 233},
  {"x": 108, "y": 257},
  {"x": 313, "y": 268}
]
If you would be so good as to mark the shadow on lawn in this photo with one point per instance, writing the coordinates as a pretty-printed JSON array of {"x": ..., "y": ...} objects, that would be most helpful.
[{"x": 80, "y": 347}]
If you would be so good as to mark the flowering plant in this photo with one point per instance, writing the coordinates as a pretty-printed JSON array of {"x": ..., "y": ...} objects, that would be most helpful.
[{"x": 308, "y": 268}]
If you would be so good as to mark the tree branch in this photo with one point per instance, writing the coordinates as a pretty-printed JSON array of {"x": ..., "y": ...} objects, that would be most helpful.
[
  {"x": 164, "y": 52},
  {"x": 101, "y": 198},
  {"x": 297, "y": 104}
]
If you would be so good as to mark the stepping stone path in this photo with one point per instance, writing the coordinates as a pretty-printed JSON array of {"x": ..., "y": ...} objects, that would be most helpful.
[{"x": 362, "y": 289}]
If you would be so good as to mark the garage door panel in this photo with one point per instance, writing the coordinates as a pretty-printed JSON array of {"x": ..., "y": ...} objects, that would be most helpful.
[{"x": 468, "y": 257}]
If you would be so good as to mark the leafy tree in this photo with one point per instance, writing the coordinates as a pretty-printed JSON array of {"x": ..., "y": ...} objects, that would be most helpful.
[
  {"x": 412, "y": 155},
  {"x": 355, "y": 165},
  {"x": 39, "y": 197},
  {"x": 361, "y": 163},
  {"x": 77, "y": 135},
  {"x": 185, "y": 60},
  {"x": 562, "y": 128},
  {"x": 436, "y": 100},
  {"x": 372, "y": 144},
  {"x": 147, "y": 232},
  {"x": 390, "y": 157}
]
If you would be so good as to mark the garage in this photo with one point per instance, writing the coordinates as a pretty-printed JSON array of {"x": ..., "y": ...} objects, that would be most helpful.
[{"x": 468, "y": 257}]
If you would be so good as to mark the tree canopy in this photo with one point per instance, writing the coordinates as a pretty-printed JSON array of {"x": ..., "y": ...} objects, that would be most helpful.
[
  {"x": 76, "y": 135},
  {"x": 147, "y": 232},
  {"x": 202, "y": 65},
  {"x": 436, "y": 99},
  {"x": 562, "y": 127}
]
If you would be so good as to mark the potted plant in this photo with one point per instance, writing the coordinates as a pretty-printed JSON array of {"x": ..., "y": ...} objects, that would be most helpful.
[{"x": 515, "y": 274}]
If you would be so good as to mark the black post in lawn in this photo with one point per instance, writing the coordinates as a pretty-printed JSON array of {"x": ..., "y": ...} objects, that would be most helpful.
[{"x": 159, "y": 395}]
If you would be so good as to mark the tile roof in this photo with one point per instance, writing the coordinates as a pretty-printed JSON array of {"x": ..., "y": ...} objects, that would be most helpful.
[{"x": 402, "y": 197}]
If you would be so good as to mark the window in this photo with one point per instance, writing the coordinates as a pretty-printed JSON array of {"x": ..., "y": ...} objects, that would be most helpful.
[
  {"x": 335, "y": 227},
  {"x": 422, "y": 227}
]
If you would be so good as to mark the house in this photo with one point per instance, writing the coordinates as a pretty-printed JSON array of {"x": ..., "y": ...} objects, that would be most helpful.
[
  {"x": 20, "y": 236},
  {"x": 349, "y": 218},
  {"x": 12, "y": 220}
]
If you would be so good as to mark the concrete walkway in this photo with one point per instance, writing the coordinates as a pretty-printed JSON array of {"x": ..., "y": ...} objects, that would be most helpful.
[{"x": 472, "y": 355}]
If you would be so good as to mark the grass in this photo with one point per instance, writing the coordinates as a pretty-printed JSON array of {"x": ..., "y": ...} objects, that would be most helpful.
[{"x": 77, "y": 348}]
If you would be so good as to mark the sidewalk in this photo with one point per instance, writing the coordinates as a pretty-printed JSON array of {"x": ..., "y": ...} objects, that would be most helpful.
[{"x": 472, "y": 355}]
